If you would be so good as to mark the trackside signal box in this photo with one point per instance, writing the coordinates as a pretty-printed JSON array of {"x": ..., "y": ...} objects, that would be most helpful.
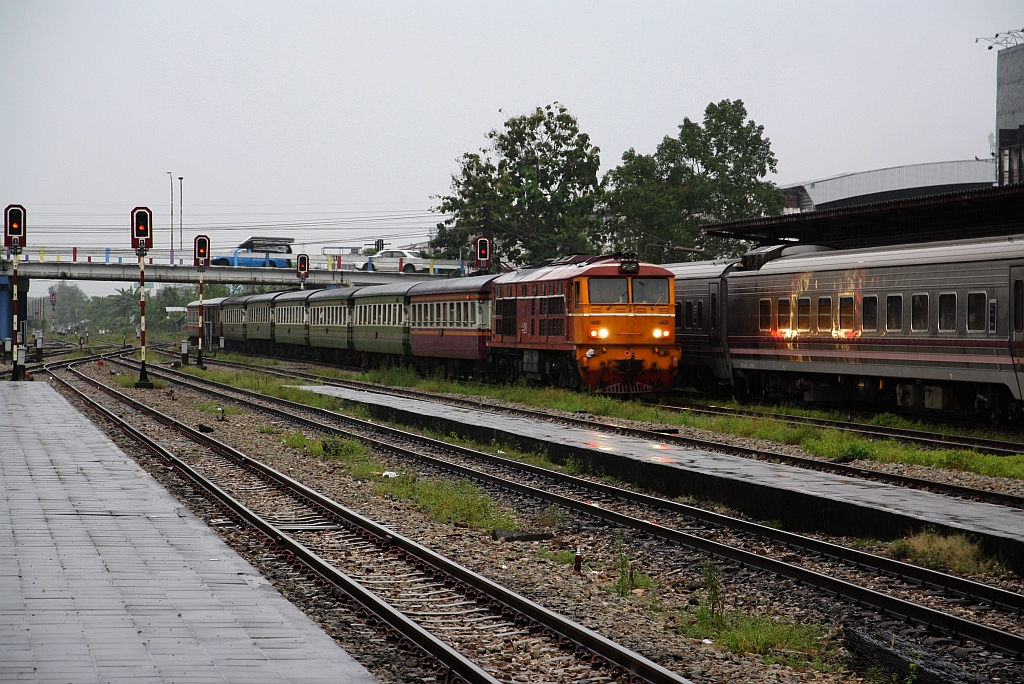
[
  {"x": 483, "y": 252},
  {"x": 201, "y": 251},
  {"x": 142, "y": 228},
  {"x": 14, "y": 226},
  {"x": 302, "y": 266}
]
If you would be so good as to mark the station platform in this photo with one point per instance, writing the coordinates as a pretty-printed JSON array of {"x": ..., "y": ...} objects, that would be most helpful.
[
  {"x": 801, "y": 499},
  {"x": 105, "y": 577}
]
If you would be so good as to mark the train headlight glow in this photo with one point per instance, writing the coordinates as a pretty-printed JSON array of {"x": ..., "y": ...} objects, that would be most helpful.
[
  {"x": 657, "y": 333},
  {"x": 593, "y": 333},
  {"x": 603, "y": 333}
]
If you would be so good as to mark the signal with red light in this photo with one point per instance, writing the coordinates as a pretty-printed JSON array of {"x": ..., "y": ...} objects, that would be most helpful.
[
  {"x": 14, "y": 226},
  {"x": 201, "y": 251},
  {"x": 142, "y": 228},
  {"x": 302, "y": 266}
]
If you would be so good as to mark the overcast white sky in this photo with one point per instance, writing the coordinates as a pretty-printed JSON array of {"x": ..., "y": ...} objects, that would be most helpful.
[{"x": 339, "y": 121}]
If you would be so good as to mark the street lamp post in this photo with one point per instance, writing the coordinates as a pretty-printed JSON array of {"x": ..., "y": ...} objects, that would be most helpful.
[
  {"x": 170, "y": 177},
  {"x": 181, "y": 216}
]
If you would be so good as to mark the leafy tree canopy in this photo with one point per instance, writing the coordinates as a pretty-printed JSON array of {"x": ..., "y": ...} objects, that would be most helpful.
[
  {"x": 534, "y": 186},
  {"x": 710, "y": 173}
]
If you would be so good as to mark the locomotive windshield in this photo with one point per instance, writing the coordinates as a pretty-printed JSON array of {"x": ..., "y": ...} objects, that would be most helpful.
[
  {"x": 616, "y": 290},
  {"x": 608, "y": 291},
  {"x": 650, "y": 290}
]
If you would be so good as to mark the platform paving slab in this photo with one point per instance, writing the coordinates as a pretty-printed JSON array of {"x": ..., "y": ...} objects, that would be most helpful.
[
  {"x": 801, "y": 499},
  {"x": 105, "y": 577}
]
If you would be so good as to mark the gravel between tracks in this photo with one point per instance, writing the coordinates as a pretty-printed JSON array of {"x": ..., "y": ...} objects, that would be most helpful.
[{"x": 629, "y": 621}]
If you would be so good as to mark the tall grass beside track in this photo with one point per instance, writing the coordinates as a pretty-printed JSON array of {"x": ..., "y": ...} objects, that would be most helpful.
[{"x": 818, "y": 441}]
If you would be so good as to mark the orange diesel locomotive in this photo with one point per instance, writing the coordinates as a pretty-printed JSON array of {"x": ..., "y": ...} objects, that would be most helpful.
[{"x": 605, "y": 322}]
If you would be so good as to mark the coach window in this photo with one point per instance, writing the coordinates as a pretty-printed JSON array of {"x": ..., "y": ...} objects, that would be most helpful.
[
  {"x": 992, "y": 312},
  {"x": 976, "y": 311},
  {"x": 688, "y": 316},
  {"x": 869, "y": 313},
  {"x": 919, "y": 313},
  {"x": 764, "y": 318},
  {"x": 803, "y": 313},
  {"x": 894, "y": 313},
  {"x": 846, "y": 313},
  {"x": 698, "y": 315},
  {"x": 947, "y": 312},
  {"x": 824, "y": 314}
]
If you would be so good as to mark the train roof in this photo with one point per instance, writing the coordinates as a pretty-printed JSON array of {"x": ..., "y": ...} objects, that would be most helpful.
[
  {"x": 951, "y": 252},
  {"x": 392, "y": 289},
  {"x": 344, "y": 293},
  {"x": 701, "y": 269},
  {"x": 263, "y": 298},
  {"x": 216, "y": 301},
  {"x": 578, "y": 265},
  {"x": 470, "y": 284},
  {"x": 237, "y": 301},
  {"x": 300, "y": 295}
]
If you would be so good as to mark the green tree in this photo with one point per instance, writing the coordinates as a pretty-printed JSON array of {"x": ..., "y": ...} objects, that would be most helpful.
[
  {"x": 710, "y": 173},
  {"x": 534, "y": 186}
]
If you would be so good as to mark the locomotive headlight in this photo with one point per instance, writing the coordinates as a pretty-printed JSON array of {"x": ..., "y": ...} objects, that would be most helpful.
[
  {"x": 593, "y": 333},
  {"x": 603, "y": 333},
  {"x": 657, "y": 333}
]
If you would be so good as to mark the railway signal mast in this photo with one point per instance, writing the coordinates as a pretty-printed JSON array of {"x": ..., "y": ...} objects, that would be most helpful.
[
  {"x": 301, "y": 271},
  {"x": 142, "y": 241},
  {"x": 14, "y": 239},
  {"x": 53, "y": 312},
  {"x": 201, "y": 255}
]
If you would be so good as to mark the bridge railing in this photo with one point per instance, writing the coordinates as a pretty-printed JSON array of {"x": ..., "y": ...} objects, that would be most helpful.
[{"x": 331, "y": 262}]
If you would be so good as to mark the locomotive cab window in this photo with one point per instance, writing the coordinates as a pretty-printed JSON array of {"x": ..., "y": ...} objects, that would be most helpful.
[
  {"x": 785, "y": 320},
  {"x": 894, "y": 313},
  {"x": 869, "y": 313},
  {"x": 650, "y": 290},
  {"x": 976, "y": 311},
  {"x": 609, "y": 290},
  {"x": 764, "y": 317},
  {"x": 824, "y": 314},
  {"x": 947, "y": 312},
  {"x": 919, "y": 313},
  {"x": 803, "y": 313},
  {"x": 846, "y": 313}
]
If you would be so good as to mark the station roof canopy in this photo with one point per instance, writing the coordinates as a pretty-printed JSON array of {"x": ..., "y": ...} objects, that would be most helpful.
[{"x": 989, "y": 212}]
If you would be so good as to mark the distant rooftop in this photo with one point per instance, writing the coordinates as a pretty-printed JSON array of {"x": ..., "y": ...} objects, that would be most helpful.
[
  {"x": 897, "y": 182},
  {"x": 985, "y": 212}
]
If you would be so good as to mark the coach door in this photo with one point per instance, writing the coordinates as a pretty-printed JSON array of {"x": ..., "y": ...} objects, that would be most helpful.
[
  {"x": 719, "y": 362},
  {"x": 1017, "y": 322}
]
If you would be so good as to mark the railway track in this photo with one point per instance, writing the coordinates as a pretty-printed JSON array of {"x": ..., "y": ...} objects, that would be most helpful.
[
  {"x": 623, "y": 508},
  {"x": 426, "y": 602},
  {"x": 948, "y": 489}
]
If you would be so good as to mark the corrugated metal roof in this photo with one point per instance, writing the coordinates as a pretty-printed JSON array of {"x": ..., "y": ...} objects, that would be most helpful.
[{"x": 968, "y": 171}]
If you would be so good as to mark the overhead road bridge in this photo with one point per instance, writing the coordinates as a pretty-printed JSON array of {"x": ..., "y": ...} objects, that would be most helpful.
[{"x": 228, "y": 275}]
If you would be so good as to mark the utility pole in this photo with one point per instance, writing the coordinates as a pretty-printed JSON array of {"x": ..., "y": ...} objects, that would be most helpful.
[
  {"x": 170, "y": 177},
  {"x": 181, "y": 216}
]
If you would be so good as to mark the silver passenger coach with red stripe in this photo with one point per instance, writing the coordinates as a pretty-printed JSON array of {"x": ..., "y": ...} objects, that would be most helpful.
[{"x": 937, "y": 326}]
